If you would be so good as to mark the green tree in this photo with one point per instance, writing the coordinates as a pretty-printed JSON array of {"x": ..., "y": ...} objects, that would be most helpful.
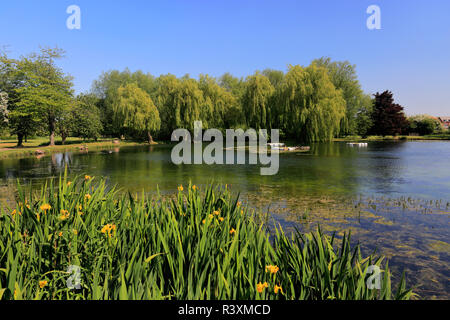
[
  {"x": 424, "y": 124},
  {"x": 3, "y": 110},
  {"x": 181, "y": 103},
  {"x": 134, "y": 111},
  {"x": 364, "y": 116},
  {"x": 85, "y": 117},
  {"x": 343, "y": 76},
  {"x": 275, "y": 76},
  {"x": 21, "y": 121},
  {"x": 47, "y": 91},
  {"x": 311, "y": 107},
  {"x": 167, "y": 98},
  {"x": 234, "y": 117},
  {"x": 256, "y": 101},
  {"x": 105, "y": 89},
  {"x": 218, "y": 102}
]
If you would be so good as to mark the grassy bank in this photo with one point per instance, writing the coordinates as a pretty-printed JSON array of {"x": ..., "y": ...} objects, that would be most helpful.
[
  {"x": 197, "y": 244},
  {"x": 8, "y": 147},
  {"x": 394, "y": 138}
]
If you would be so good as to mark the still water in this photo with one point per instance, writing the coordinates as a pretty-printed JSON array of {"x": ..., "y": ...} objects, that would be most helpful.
[{"x": 393, "y": 196}]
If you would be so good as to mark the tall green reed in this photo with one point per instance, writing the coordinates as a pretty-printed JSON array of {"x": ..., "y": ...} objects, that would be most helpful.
[{"x": 198, "y": 244}]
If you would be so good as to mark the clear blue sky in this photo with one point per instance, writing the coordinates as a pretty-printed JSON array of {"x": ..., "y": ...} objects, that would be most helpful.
[{"x": 410, "y": 55}]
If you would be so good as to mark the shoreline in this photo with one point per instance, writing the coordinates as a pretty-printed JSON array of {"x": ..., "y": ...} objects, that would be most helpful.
[
  {"x": 440, "y": 137},
  {"x": 30, "y": 151}
]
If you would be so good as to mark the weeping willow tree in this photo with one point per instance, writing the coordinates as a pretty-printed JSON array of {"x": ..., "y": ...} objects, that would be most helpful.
[
  {"x": 134, "y": 111},
  {"x": 181, "y": 103},
  {"x": 189, "y": 105},
  {"x": 311, "y": 107},
  {"x": 218, "y": 102},
  {"x": 166, "y": 96},
  {"x": 343, "y": 76},
  {"x": 256, "y": 99}
]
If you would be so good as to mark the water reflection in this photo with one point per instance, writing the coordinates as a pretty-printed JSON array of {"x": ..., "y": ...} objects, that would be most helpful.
[{"x": 310, "y": 188}]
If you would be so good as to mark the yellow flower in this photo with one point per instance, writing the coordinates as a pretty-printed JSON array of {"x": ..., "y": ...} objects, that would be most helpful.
[
  {"x": 108, "y": 228},
  {"x": 272, "y": 269},
  {"x": 42, "y": 283},
  {"x": 75, "y": 232},
  {"x": 86, "y": 177},
  {"x": 204, "y": 221},
  {"x": 87, "y": 197},
  {"x": 216, "y": 212},
  {"x": 60, "y": 234},
  {"x": 220, "y": 219},
  {"x": 80, "y": 207},
  {"x": 239, "y": 204},
  {"x": 46, "y": 207},
  {"x": 277, "y": 288},
  {"x": 210, "y": 216},
  {"x": 180, "y": 188},
  {"x": 261, "y": 286},
  {"x": 64, "y": 215},
  {"x": 194, "y": 187},
  {"x": 232, "y": 231},
  {"x": 242, "y": 211},
  {"x": 69, "y": 183}
]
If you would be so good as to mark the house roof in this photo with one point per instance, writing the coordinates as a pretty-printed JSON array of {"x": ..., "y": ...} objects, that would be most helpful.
[{"x": 444, "y": 118}]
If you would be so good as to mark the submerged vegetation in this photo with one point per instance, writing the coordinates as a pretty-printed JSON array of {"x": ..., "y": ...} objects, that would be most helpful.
[{"x": 197, "y": 244}]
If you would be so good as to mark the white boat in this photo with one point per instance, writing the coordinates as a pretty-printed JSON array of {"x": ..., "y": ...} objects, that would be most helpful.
[
  {"x": 358, "y": 144},
  {"x": 276, "y": 145}
]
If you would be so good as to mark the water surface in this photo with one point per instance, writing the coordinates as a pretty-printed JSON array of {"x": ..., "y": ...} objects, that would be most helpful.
[{"x": 393, "y": 196}]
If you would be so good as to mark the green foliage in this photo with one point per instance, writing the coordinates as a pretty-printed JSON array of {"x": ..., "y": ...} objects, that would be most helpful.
[
  {"x": 85, "y": 118},
  {"x": 218, "y": 102},
  {"x": 47, "y": 89},
  {"x": 134, "y": 111},
  {"x": 364, "y": 119},
  {"x": 3, "y": 109},
  {"x": 343, "y": 75},
  {"x": 314, "y": 103},
  {"x": 256, "y": 99},
  {"x": 310, "y": 107},
  {"x": 197, "y": 244},
  {"x": 424, "y": 125}
]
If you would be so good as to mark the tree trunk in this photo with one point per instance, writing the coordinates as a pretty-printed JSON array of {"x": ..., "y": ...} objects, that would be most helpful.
[
  {"x": 52, "y": 132},
  {"x": 20, "y": 140},
  {"x": 63, "y": 138},
  {"x": 150, "y": 138}
]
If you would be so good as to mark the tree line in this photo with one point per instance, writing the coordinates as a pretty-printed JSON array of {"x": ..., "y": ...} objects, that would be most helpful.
[{"x": 314, "y": 103}]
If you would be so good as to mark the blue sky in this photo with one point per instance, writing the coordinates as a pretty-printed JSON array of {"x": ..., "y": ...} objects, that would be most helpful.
[{"x": 410, "y": 55}]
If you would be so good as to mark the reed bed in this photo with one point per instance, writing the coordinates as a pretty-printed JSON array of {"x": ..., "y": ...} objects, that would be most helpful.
[{"x": 197, "y": 244}]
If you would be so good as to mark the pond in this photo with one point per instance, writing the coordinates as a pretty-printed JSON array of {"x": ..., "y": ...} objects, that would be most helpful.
[{"x": 393, "y": 196}]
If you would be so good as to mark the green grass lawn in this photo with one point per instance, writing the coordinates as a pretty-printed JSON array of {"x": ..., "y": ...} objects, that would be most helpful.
[{"x": 8, "y": 147}]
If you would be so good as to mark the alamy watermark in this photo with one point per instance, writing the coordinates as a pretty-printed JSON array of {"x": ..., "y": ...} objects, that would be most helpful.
[
  {"x": 74, "y": 20},
  {"x": 190, "y": 150},
  {"x": 74, "y": 281},
  {"x": 374, "y": 20},
  {"x": 374, "y": 280}
]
